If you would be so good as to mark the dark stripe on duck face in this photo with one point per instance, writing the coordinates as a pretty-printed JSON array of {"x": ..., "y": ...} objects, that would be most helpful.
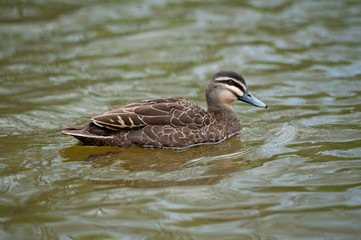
[{"x": 232, "y": 82}]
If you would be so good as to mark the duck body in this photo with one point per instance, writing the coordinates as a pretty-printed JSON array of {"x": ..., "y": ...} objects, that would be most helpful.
[{"x": 169, "y": 122}]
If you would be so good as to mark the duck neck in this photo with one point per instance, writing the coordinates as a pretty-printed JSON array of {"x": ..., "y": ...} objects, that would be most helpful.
[{"x": 222, "y": 112}]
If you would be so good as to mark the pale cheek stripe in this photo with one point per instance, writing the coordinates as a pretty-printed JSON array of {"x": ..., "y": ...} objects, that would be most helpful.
[
  {"x": 225, "y": 78},
  {"x": 235, "y": 90}
]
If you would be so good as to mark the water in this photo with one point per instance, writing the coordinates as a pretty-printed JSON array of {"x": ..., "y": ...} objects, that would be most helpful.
[{"x": 293, "y": 173}]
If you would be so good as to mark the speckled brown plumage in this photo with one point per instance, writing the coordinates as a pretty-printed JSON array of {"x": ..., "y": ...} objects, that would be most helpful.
[{"x": 165, "y": 122}]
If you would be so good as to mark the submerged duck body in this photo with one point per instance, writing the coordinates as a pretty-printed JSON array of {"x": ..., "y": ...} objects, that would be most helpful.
[{"x": 171, "y": 122}]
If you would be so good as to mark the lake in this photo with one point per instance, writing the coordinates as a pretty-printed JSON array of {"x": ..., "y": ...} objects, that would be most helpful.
[{"x": 294, "y": 172}]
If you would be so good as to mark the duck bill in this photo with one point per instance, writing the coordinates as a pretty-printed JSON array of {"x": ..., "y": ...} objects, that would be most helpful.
[{"x": 249, "y": 98}]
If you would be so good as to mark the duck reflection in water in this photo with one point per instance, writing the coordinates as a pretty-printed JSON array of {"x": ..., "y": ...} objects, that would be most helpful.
[{"x": 214, "y": 161}]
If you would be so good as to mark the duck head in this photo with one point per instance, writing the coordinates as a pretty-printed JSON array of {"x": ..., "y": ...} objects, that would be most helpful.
[{"x": 226, "y": 87}]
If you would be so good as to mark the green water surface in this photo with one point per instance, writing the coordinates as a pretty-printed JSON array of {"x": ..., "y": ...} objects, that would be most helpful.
[{"x": 294, "y": 172}]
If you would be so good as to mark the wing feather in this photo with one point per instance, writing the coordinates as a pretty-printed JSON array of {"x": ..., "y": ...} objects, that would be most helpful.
[{"x": 176, "y": 112}]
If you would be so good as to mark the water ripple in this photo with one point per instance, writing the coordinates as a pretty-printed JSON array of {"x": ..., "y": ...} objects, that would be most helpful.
[{"x": 294, "y": 169}]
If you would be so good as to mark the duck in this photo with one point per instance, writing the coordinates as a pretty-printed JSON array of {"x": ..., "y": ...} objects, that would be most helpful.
[{"x": 171, "y": 122}]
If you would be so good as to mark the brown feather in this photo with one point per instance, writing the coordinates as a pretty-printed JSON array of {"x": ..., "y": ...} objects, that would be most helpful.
[
  {"x": 119, "y": 121},
  {"x": 163, "y": 111},
  {"x": 150, "y": 110}
]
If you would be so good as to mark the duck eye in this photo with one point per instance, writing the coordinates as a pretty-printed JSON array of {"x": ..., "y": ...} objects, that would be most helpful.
[{"x": 231, "y": 82}]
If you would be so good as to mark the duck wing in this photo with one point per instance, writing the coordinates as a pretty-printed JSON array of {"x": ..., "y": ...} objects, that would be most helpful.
[{"x": 175, "y": 112}]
